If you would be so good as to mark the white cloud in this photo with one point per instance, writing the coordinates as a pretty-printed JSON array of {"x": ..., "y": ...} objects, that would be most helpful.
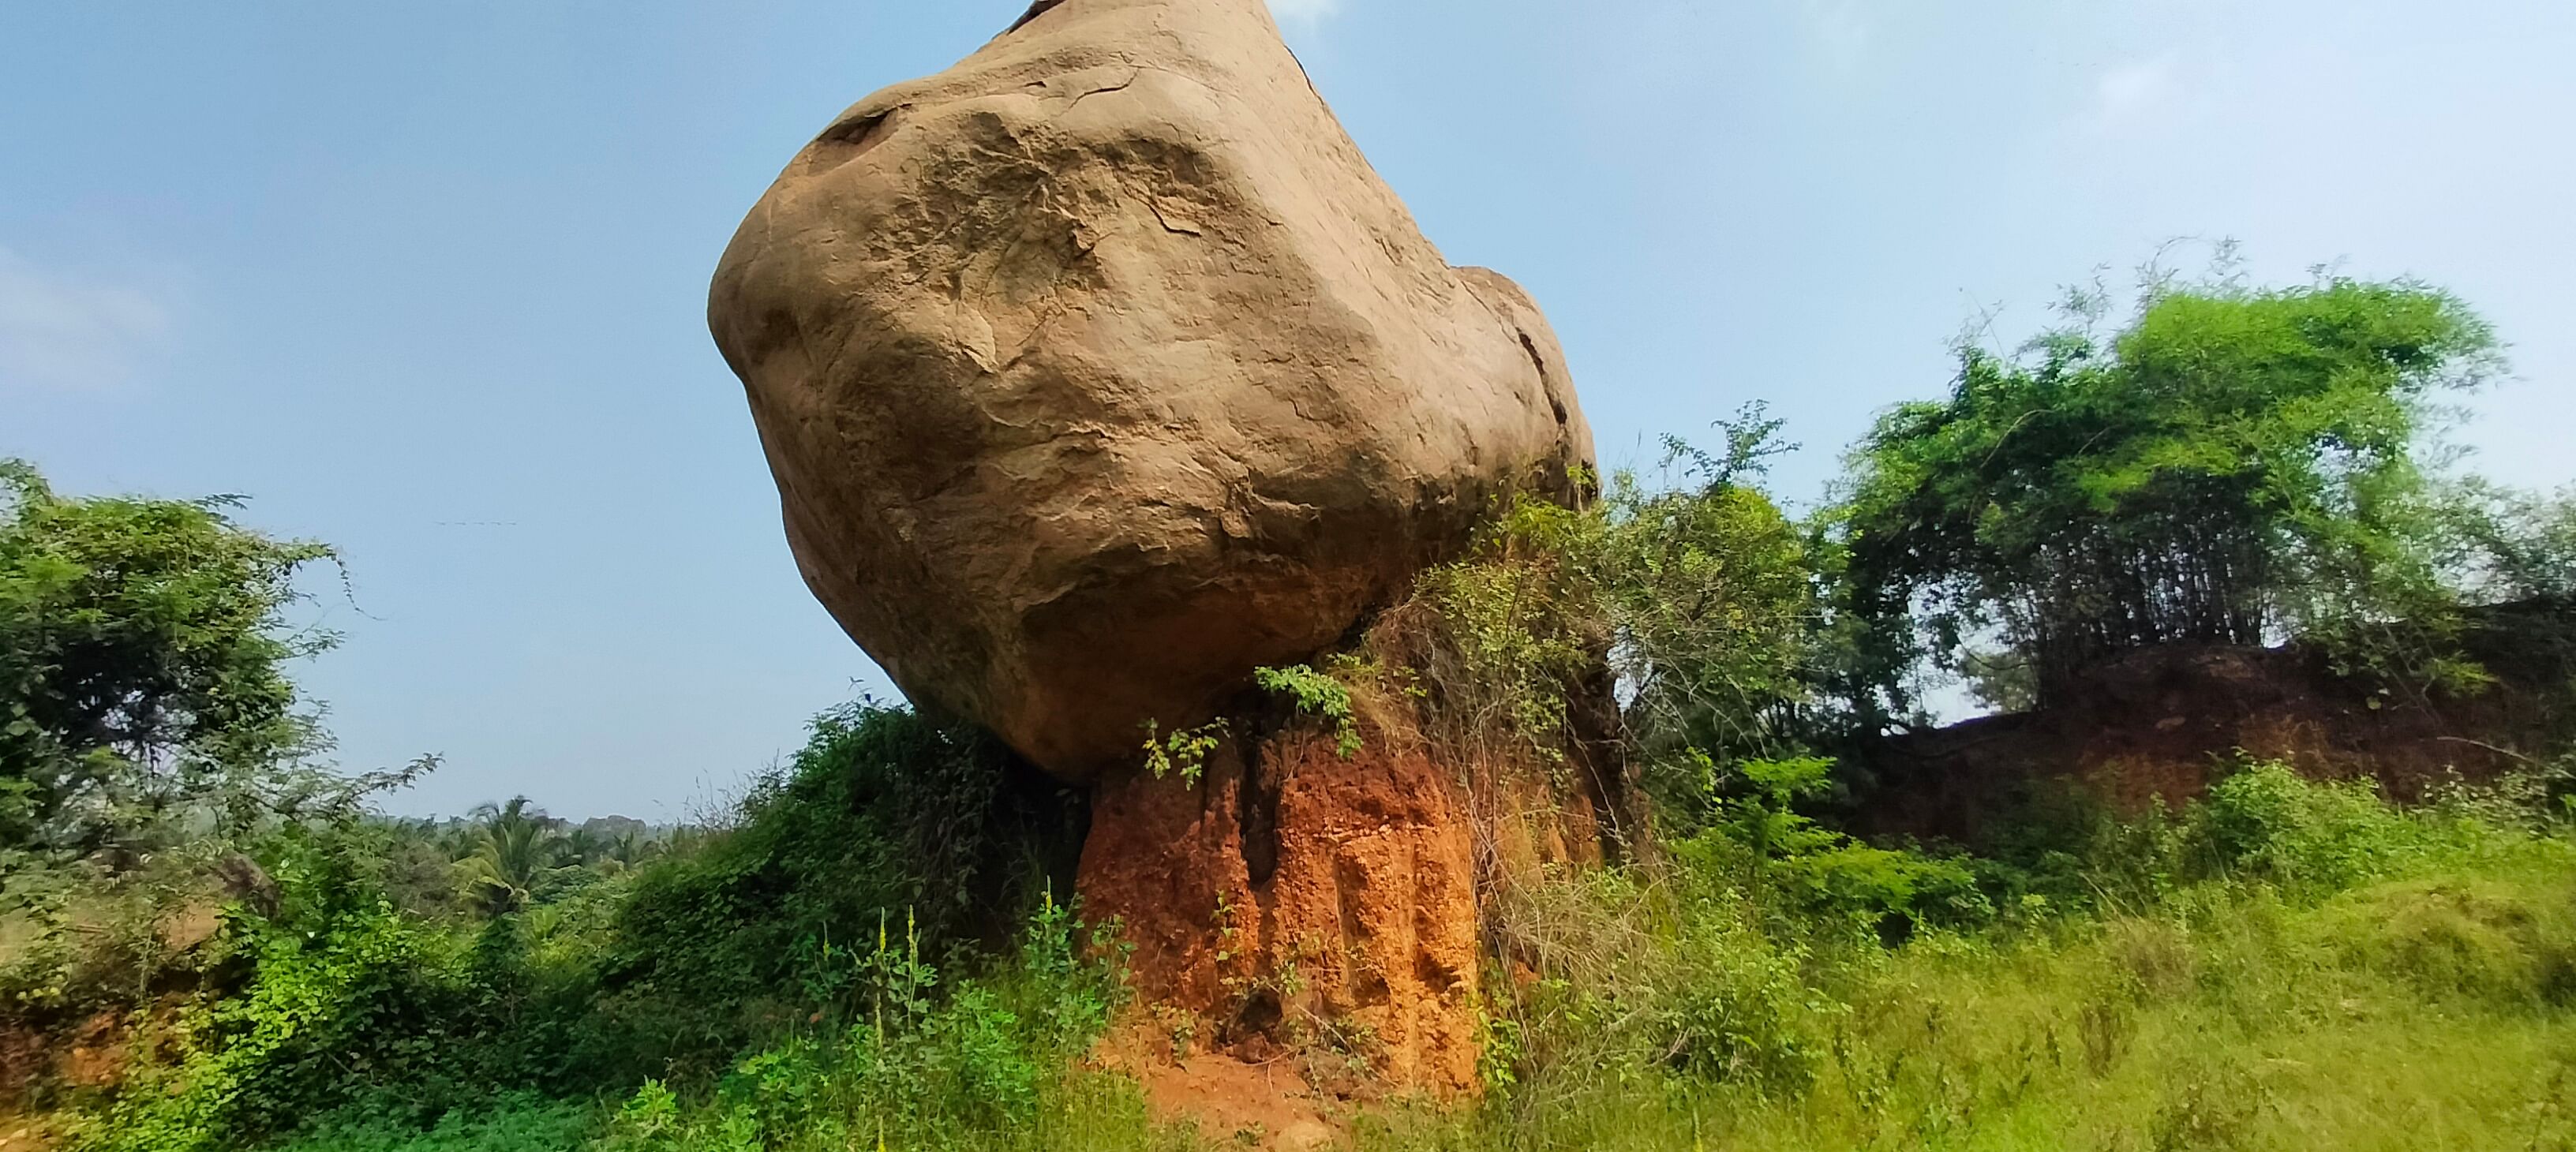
[
  {"x": 1308, "y": 11},
  {"x": 2133, "y": 90},
  {"x": 59, "y": 333}
]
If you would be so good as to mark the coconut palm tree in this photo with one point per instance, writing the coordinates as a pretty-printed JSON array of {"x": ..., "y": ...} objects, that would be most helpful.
[
  {"x": 585, "y": 846},
  {"x": 514, "y": 847}
]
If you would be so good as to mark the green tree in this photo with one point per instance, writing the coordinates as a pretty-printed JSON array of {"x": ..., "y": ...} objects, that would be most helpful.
[
  {"x": 1711, "y": 589},
  {"x": 629, "y": 849},
  {"x": 584, "y": 846},
  {"x": 1697, "y": 595},
  {"x": 2235, "y": 466},
  {"x": 517, "y": 848},
  {"x": 142, "y": 653},
  {"x": 2519, "y": 546}
]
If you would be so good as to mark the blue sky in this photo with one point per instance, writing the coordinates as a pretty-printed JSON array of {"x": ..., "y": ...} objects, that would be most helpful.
[{"x": 427, "y": 281}]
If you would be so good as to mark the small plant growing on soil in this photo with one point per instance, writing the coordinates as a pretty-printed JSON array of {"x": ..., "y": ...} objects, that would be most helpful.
[
  {"x": 1316, "y": 694},
  {"x": 1184, "y": 751}
]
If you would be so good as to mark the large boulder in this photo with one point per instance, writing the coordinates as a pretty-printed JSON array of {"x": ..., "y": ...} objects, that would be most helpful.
[{"x": 1101, "y": 368}]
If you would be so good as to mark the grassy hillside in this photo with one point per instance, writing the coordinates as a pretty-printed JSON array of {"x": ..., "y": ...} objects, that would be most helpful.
[{"x": 2287, "y": 965}]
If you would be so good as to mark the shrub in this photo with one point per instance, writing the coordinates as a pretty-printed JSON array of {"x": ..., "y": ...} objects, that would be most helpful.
[
  {"x": 1623, "y": 979},
  {"x": 885, "y": 812},
  {"x": 1817, "y": 870},
  {"x": 77, "y": 938},
  {"x": 508, "y": 1123},
  {"x": 344, "y": 996},
  {"x": 2312, "y": 837},
  {"x": 2520, "y": 546},
  {"x": 1711, "y": 590},
  {"x": 980, "y": 1063},
  {"x": 1315, "y": 694}
]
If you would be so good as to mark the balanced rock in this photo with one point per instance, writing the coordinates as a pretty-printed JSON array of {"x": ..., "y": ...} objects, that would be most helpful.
[{"x": 1101, "y": 368}]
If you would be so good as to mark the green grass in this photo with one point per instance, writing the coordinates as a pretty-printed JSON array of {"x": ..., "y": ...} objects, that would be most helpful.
[
  {"x": 2284, "y": 965},
  {"x": 2431, "y": 1012},
  {"x": 1085, "y": 1113},
  {"x": 1081, "y": 1112}
]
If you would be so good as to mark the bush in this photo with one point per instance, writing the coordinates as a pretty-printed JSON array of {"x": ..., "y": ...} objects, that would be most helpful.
[
  {"x": 1318, "y": 695},
  {"x": 2315, "y": 837},
  {"x": 884, "y": 813},
  {"x": 344, "y": 996},
  {"x": 77, "y": 939},
  {"x": 2260, "y": 823},
  {"x": 2289, "y": 964},
  {"x": 333, "y": 1001},
  {"x": 982, "y": 1062},
  {"x": 2520, "y": 546},
  {"x": 1623, "y": 978},
  {"x": 2266, "y": 819},
  {"x": 509, "y": 1123},
  {"x": 1699, "y": 599},
  {"x": 1814, "y": 870}
]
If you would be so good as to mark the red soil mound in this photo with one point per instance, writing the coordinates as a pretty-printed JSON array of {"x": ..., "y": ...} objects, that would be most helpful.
[
  {"x": 1294, "y": 902},
  {"x": 2162, "y": 723}
]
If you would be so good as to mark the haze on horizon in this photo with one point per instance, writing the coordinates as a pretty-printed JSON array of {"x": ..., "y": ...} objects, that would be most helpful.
[{"x": 429, "y": 285}]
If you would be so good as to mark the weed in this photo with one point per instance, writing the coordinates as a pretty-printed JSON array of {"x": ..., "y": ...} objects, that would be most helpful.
[
  {"x": 1184, "y": 752},
  {"x": 1316, "y": 694}
]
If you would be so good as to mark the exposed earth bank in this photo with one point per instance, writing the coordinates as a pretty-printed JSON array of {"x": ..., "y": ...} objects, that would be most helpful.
[{"x": 2158, "y": 725}]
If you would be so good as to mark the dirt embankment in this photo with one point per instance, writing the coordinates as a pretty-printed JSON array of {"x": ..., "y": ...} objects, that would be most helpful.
[
  {"x": 1293, "y": 898},
  {"x": 2162, "y": 723},
  {"x": 1315, "y": 922}
]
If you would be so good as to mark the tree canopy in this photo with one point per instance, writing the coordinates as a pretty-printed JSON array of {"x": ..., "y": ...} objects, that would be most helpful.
[
  {"x": 142, "y": 651},
  {"x": 2233, "y": 465}
]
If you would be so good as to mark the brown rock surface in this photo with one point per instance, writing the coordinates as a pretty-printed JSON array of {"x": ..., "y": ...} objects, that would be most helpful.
[{"x": 1101, "y": 368}]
